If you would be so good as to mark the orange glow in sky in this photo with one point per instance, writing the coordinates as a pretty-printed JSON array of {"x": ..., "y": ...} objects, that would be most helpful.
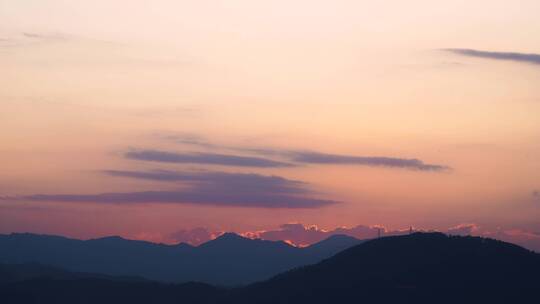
[{"x": 146, "y": 119}]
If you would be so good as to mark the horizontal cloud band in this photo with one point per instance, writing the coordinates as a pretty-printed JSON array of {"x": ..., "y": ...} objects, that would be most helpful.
[
  {"x": 291, "y": 157},
  {"x": 204, "y": 158},
  {"x": 322, "y": 158},
  {"x": 204, "y": 188},
  {"x": 221, "y": 181},
  {"x": 188, "y": 197},
  {"x": 522, "y": 57}
]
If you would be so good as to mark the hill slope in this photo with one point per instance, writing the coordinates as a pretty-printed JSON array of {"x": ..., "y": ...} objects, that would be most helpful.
[{"x": 417, "y": 268}]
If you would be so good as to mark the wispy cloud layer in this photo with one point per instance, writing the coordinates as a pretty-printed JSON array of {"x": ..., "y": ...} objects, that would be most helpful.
[
  {"x": 204, "y": 158},
  {"x": 31, "y": 38},
  {"x": 197, "y": 196},
  {"x": 205, "y": 188},
  {"x": 511, "y": 56},
  {"x": 223, "y": 181},
  {"x": 313, "y": 157},
  {"x": 374, "y": 161},
  {"x": 189, "y": 139}
]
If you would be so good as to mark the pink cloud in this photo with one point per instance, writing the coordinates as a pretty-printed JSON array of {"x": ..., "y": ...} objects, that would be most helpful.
[
  {"x": 301, "y": 235},
  {"x": 195, "y": 236},
  {"x": 463, "y": 229},
  {"x": 527, "y": 239},
  {"x": 154, "y": 237}
]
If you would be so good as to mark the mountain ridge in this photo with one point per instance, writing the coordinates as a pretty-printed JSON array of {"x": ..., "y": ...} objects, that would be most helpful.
[
  {"x": 417, "y": 268},
  {"x": 216, "y": 261}
]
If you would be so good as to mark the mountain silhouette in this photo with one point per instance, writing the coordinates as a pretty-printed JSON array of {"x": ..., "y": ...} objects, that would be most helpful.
[
  {"x": 416, "y": 268},
  {"x": 229, "y": 260}
]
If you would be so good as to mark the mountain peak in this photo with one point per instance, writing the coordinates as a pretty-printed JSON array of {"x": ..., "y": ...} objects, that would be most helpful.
[
  {"x": 183, "y": 245},
  {"x": 340, "y": 237},
  {"x": 231, "y": 236}
]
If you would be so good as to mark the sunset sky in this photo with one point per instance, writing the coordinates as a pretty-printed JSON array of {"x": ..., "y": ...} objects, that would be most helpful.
[{"x": 174, "y": 121}]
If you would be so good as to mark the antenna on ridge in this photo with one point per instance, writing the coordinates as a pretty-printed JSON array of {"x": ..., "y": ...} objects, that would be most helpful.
[
  {"x": 378, "y": 232},
  {"x": 410, "y": 230}
]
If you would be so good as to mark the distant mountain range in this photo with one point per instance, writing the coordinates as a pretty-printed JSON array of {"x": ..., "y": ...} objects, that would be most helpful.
[
  {"x": 416, "y": 268},
  {"x": 229, "y": 260}
]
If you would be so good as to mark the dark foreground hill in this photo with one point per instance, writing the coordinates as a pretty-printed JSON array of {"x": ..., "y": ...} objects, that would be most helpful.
[
  {"x": 417, "y": 268},
  {"x": 228, "y": 260}
]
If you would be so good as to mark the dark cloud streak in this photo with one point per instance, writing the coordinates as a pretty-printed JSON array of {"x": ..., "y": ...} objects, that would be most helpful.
[
  {"x": 510, "y": 56},
  {"x": 224, "y": 181},
  {"x": 374, "y": 161},
  {"x": 197, "y": 197},
  {"x": 312, "y": 157},
  {"x": 204, "y": 158},
  {"x": 204, "y": 188}
]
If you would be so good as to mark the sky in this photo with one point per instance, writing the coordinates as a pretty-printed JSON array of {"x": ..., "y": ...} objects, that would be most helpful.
[{"x": 175, "y": 121}]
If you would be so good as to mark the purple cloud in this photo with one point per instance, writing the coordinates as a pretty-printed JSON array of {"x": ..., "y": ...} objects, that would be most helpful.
[
  {"x": 374, "y": 161},
  {"x": 204, "y": 158},
  {"x": 462, "y": 229},
  {"x": 222, "y": 181},
  {"x": 511, "y": 56},
  {"x": 205, "y": 188},
  {"x": 313, "y": 157}
]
